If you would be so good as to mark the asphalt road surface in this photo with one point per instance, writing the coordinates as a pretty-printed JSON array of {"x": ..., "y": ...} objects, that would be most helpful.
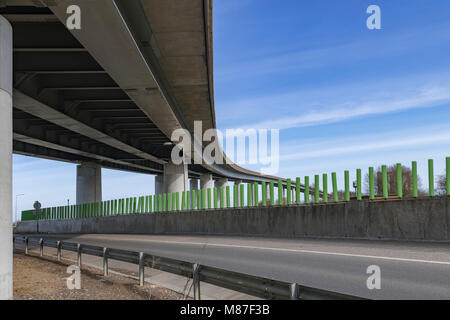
[{"x": 409, "y": 270}]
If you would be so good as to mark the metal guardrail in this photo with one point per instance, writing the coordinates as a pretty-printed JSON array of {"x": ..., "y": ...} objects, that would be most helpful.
[{"x": 252, "y": 285}]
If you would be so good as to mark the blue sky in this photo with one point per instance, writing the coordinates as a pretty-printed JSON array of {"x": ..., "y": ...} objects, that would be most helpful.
[{"x": 343, "y": 96}]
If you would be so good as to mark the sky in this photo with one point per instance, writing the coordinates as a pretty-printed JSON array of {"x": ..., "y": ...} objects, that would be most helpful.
[{"x": 343, "y": 96}]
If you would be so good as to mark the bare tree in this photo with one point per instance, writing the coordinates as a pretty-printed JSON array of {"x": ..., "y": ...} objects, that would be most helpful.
[
  {"x": 392, "y": 181},
  {"x": 441, "y": 184}
]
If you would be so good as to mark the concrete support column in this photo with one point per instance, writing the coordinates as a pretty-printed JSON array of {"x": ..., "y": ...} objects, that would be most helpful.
[
  {"x": 206, "y": 181},
  {"x": 175, "y": 177},
  {"x": 193, "y": 184},
  {"x": 222, "y": 182},
  {"x": 89, "y": 183},
  {"x": 159, "y": 184},
  {"x": 238, "y": 183},
  {"x": 6, "y": 245}
]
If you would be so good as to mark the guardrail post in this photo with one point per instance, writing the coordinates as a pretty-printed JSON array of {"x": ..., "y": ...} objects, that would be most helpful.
[
  {"x": 141, "y": 269},
  {"x": 41, "y": 247},
  {"x": 58, "y": 250},
  {"x": 294, "y": 291},
  {"x": 196, "y": 281},
  {"x": 105, "y": 261},
  {"x": 79, "y": 255},
  {"x": 26, "y": 245}
]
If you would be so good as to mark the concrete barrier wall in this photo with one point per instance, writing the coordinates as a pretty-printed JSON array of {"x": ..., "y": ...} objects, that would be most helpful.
[{"x": 413, "y": 219}]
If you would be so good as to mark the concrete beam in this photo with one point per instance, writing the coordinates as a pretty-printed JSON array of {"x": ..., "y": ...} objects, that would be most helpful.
[
  {"x": 6, "y": 246},
  {"x": 38, "y": 109},
  {"x": 175, "y": 178},
  {"x": 89, "y": 183}
]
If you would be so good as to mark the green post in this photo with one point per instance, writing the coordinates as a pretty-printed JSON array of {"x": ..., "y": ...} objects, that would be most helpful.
[
  {"x": 306, "y": 189},
  {"x": 249, "y": 195},
  {"x": 335, "y": 189},
  {"x": 242, "y": 198},
  {"x": 447, "y": 169},
  {"x": 272, "y": 193},
  {"x": 415, "y": 185},
  {"x": 385, "y": 182},
  {"x": 183, "y": 200},
  {"x": 347, "y": 185},
  {"x": 235, "y": 196},
  {"x": 222, "y": 197},
  {"x": 264, "y": 193},
  {"x": 399, "y": 181},
  {"x": 288, "y": 192},
  {"x": 371, "y": 184},
  {"x": 203, "y": 198},
  {"x": 209, "y": 198},
  {"x": 228, "y": 197},
  {"x": 199, "y": 199},
  {"x": 358, "y": 185},
  {"x": 431, "y": 177},
  {"x": 193, "y": 199},
  {"x": 188, "y": 200},
  {"x": 316, "y": 188},
  {"x": 325, "y": 188},
  {"x": 280, "y": 192},
  {"x": 150, "y": 203},
  {"x": 255, "y": 193},
  {"x": 297, "y": 190},
  {"x": 215, "y": 197}
]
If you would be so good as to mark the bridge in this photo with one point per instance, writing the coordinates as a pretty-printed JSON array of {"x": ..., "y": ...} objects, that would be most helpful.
[{"x": 109, "y": 95}]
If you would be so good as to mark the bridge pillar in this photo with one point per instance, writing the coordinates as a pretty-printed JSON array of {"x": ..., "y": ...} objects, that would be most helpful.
[
  {"x": 6, "y": 245},
  {"x": 89, "y": 183},
  {"x": 193, "y": 184},
  {"x": 175, "y": 177},
  {"x": 159, "y": 184},
  {"x": 206, "y": 181},
  {"x": 238, "y": 183},
  {"x": 222, "y": 182}
]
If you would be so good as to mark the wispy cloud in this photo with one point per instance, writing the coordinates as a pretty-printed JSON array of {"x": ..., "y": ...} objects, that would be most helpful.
[
  {"x": 422, "y": 98},
  {"x": 295, "y": 60}
]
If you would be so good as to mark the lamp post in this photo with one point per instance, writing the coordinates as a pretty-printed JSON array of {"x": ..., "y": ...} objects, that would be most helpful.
[{"x": 17, "y": 195}]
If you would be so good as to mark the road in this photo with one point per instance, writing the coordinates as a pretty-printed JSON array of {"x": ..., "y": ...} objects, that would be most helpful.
[{"x": 409, "y": 270}]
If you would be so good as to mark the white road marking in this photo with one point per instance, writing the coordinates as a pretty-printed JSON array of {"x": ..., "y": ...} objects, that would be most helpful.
[{"x": 300, "y": 251}]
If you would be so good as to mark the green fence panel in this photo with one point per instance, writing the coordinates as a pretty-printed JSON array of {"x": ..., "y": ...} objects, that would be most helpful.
[
  {"x": 358, "y": 185},
  {"x": 297, "y": 190},
  {"x": 256, "y": 194},
  {"x": 335, "y": 188},
  {"x": 242, "y": 197},
  {"x": 280, "y": 192},
  {"x": 384, "y": 181},
  {"x": 306, "y": 189},
  {"x": 399, "y": 181},
  {"x": 371, "y": 183},
  {"x": 228, "y": 197},
  {"x": 415, "y": 186},
  {"x": 249, "y": 195},
  {"x": 215, "y": 198},
  {"x": 347, "y": 185},
  {"x": 235, "y": 196},
  {"x": 272, "y": 193},
  {"x": 447, "y": 175},
  {"x": 264, "y": 194},
  {"x": 222, "y": 197},
  {"x": 325, "y": 188},
  {"x": 316, "y": 188},
  {"x": 431, "y": 177}
]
